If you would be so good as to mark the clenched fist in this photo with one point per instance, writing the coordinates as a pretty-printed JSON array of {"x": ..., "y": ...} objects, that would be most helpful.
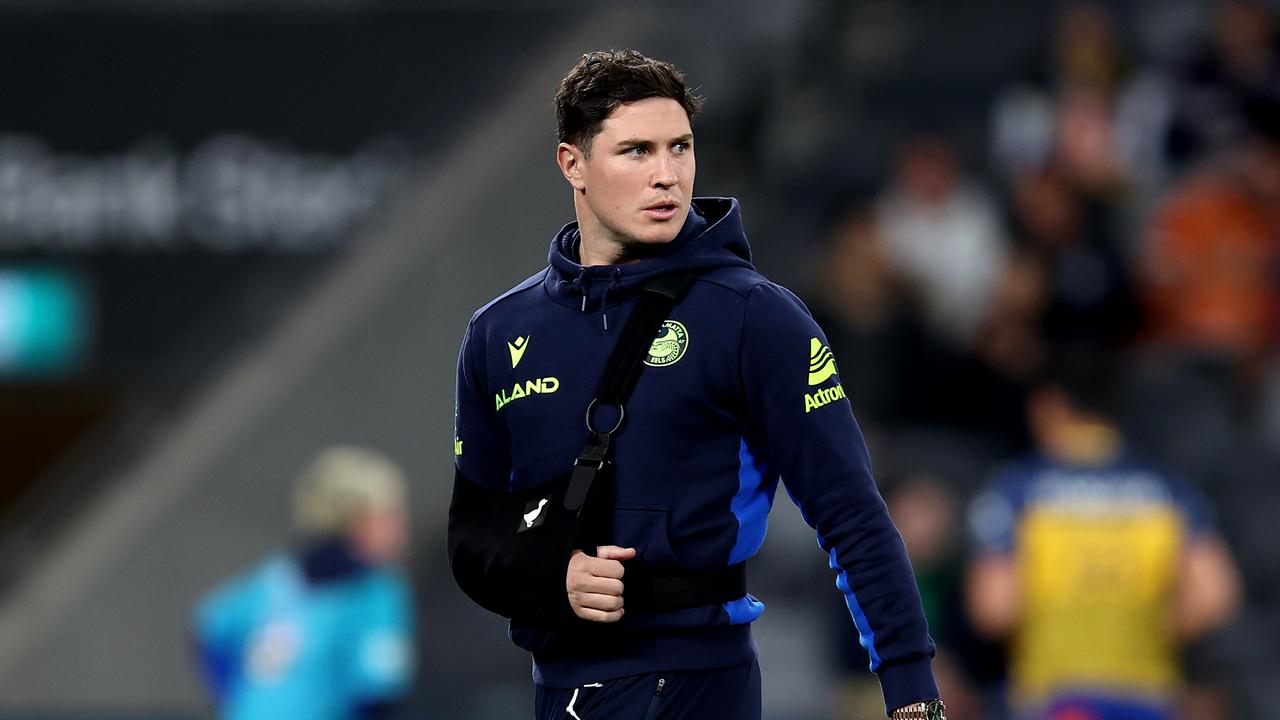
[{"x": 595, "y": 585}]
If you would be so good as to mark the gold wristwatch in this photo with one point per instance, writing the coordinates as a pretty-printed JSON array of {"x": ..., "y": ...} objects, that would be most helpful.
[{"x": 928, "y": 710}]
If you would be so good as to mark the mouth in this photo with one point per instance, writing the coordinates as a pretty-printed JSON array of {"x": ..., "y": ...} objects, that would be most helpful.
[{"x": 663, "y": 210}]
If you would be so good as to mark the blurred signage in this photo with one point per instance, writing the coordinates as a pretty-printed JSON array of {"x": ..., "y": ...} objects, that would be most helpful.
[
  {"x": 173, "y": 160},
  {"x": 225, "y": 133},
  {"x": 230, "y": 193}
]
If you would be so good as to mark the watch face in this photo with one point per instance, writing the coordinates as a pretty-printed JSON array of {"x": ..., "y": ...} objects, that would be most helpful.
[{"x": 935, "y": 710}]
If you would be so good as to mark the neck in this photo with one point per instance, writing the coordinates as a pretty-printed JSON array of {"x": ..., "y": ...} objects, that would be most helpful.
[
  {"x": 597, "y": 244},
  {"x": 593, "y": 251},
  {"x": 1085, "y": 443}
]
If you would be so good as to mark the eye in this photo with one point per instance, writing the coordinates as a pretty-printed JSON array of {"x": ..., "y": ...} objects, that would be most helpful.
[
  {"x": 635, "y": 151},
  {"x": 681, "y": 148}
]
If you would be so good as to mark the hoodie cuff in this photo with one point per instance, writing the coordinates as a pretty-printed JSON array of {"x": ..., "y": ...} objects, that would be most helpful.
[{"x": 907, "y": 683}]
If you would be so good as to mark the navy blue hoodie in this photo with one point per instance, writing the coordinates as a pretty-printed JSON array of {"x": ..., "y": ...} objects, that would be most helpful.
[{"x": 740, "y": 390}]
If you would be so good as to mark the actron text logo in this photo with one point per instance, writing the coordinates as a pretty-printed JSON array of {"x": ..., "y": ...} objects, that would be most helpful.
[{"x": 822, "y": 367}]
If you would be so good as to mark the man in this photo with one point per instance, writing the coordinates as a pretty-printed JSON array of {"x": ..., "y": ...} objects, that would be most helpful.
[
  {"x": 740, "y": 387},
  {"x": 1097, "y": 565},
  {"x": 1208, "y": 266},
  {"x": 323, "y": 633}
]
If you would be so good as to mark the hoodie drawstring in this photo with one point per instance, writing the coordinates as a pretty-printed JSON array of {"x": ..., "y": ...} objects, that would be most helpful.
[
  {"x": 574, "y": 287},
  {"x": 614, "y": 283}
]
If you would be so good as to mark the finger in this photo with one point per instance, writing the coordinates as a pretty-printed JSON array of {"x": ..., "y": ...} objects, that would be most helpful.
[
  {"x": 582, "y": 582},
  {"x": 596, "y": 601},
  {"x": 598, "y": 616},
  {"x": 613, "y": 552},
  {"x": 577, "y": 560},
  {"x": 603, "y": 568}
]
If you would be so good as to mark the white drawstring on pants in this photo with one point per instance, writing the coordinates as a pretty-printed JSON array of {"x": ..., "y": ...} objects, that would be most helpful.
[{"x": 572, "y": 713}]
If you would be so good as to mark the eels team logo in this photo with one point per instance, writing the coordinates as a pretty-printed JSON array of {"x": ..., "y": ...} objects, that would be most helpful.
[{"x": 670, "y": 345}]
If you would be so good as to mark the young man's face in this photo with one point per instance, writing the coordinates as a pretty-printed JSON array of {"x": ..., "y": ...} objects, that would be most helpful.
[{"x": 638, "y": 179}]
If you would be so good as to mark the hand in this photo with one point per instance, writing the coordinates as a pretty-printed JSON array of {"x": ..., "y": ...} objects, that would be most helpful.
[{"x": 594, "y": 584}]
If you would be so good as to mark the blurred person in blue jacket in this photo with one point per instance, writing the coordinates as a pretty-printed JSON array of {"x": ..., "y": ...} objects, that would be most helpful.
[
  {"x": 1094, "y": 563},
  {"x": 323, "y": 632}
]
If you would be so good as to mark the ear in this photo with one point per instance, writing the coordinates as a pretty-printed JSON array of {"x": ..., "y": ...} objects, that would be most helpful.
[{"x": 570, "y": 159}]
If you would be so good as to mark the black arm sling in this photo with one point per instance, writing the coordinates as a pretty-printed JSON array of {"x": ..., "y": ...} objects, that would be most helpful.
[{"x": 510, "y": 551}]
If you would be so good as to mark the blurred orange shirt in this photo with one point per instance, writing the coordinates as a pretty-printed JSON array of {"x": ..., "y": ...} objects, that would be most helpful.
[{"x": 1209, "y": 269}]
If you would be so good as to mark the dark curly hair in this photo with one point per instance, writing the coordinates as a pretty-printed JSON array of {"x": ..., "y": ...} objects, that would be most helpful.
[{"x": 603, "y": 80}]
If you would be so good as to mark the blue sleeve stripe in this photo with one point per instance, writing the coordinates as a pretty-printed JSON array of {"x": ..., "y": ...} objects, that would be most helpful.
[
  {"x": 750, "y": 506},
  {"x": 866, "y": 636}
]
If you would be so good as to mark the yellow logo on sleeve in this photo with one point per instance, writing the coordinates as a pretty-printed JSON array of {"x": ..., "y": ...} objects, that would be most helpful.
[
  {"x": 822, "y": 364},
  {"x": 825, "y": 396},
  {"x": 822, "y": 367}
]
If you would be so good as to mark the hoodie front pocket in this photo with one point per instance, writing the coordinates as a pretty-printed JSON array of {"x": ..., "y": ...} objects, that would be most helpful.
[{"x": 645, "y": 529}]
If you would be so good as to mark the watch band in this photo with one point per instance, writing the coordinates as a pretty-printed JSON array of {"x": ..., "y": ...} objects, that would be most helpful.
[
  {"x": 910, "y": 712},
  {"x": 928, "y": 710}
]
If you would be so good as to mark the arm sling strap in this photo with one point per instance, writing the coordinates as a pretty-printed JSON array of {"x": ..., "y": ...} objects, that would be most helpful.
[{"x": 509, "y": 551}]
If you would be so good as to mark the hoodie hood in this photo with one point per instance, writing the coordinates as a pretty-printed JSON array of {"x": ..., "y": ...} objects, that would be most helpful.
[{"x": 712, "y": 237}]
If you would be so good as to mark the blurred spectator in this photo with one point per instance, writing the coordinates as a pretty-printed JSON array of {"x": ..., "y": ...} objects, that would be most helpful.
[
  {"x": 943, "y": 234},
  {"x": 872, "y": 330},
  {"x": 1210, "y": 261},
  {"x": 1011, "y": 340},
  {"x": 1088, "y": 291},
  {"x": 1093, "y": 113},
  {"x": 323, "y": 632},
  {"x": 897, "y": 369},
  {"x": 1095, "y": 565},
  {"x": 1241, "y": 59},
  {"x": 1066, "y": 104},
  {"x": 927, "y": 514}
]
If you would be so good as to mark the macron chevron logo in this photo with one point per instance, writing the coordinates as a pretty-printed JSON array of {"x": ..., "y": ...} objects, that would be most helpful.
[
  {"x": 517, "y": 349},
  {"x": 822, "y": 364}
]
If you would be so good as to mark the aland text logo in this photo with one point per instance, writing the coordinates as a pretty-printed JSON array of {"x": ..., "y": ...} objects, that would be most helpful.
[
  {"x": 822, "y": 364},
  {"x": 670, "y": 345},
  {"x": 541, "y": 386}
]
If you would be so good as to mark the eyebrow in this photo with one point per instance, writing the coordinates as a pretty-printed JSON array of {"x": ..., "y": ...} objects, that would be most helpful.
[{"x": 634, "y": 142}]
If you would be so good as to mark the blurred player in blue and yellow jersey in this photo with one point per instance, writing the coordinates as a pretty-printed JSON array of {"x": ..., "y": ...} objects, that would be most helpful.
[
  {"x": 322, "y": 633},
  {"x": 1094, "y": 564}
]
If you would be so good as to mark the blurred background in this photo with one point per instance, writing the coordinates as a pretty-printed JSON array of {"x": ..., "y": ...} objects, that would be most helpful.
[{"x": 233, "y": 233}]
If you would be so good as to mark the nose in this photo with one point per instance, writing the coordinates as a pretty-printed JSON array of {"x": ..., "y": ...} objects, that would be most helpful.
[{"x": 665, "y": 173}]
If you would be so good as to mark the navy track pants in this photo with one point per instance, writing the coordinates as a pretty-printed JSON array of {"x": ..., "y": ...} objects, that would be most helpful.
[{"x": 725, "y": 694}]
